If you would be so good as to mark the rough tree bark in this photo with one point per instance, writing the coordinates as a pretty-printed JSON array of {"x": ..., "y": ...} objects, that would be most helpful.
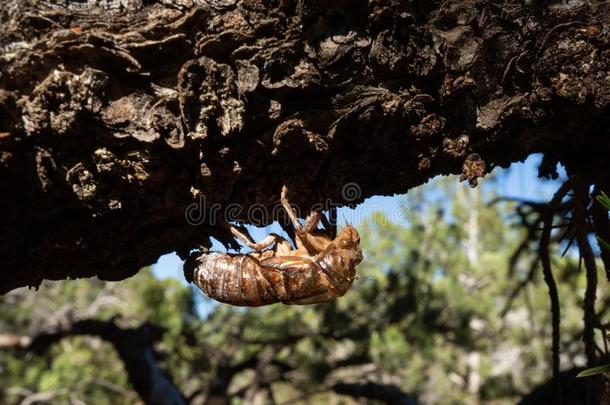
[{"x": 116, "y": 115}]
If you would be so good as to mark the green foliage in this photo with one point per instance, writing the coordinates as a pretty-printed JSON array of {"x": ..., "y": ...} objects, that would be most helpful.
[
  {"x": 595, "y": 371},
  {"x": 604, "y": 200}
]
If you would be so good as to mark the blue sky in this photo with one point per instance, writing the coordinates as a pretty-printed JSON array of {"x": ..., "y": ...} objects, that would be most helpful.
[{"x": 520, "y": 181}]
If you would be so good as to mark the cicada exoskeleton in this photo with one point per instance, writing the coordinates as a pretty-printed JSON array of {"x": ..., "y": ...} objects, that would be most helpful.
[{"x": 319, "y": 269}]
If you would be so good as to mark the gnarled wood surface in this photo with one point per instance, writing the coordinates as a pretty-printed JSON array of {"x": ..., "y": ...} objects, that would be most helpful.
[{"x": 116, "y": 115}]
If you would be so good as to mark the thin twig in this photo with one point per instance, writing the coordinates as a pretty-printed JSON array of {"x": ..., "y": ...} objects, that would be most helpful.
[{"x": 515, "y": 292}]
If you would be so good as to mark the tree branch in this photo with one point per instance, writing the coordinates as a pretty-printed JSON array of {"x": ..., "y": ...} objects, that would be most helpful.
[
  {"x": 116, "y": 117},
  {"x": 134, "y": 346},
  {"x": 543, "y": 252},
  {"x": 581, "y": 202}
]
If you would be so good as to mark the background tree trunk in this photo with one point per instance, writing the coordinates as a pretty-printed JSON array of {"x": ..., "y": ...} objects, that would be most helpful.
[{"x": 117, "y": 115}]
